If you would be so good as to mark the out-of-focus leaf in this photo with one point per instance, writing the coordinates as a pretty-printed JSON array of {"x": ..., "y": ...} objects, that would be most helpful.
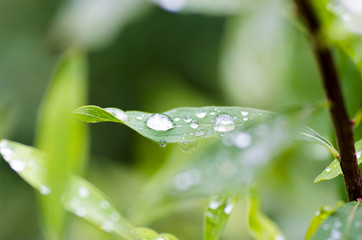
[
  {"x": 308, "y": 134},
  {"x": 208, "y": 7},
  {"x": 334, "y": 169},
  {"x": 180, "y": 124},
  {"x": 261, "y": 227},
  {"x": 320, "y": 216},
  {"x": 217, "y": 213},
  {"x": 250, "y": 70},
  {"x": 93, "y": 23},
  {"x": 80, "y": 198},
  {"x": 61, "y": 136},
  {"x": 344, "y": 223}
]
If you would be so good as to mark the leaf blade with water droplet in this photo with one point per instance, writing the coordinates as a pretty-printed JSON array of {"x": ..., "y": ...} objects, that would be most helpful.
[
  {"x": 334, "y": 169},
  {"x": 217, "y": 213}
]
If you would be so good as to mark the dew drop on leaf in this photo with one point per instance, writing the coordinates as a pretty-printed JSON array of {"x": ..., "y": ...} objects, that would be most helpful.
[
  {"x": 83, "y": 192},
  {"x": 108, "y": 226},
  {"x": 228, "y": 208},
  {"x": 159, "y": 122},
  {"x": 194, "y": 124},
  {"x": 5, "y": 150},
  {"x": 118, "y": 113},
  {"x": 188, "y": 119},
  {"x": 17, "y": 165},
  {"x": 188, "y": 146},
  {"x": 224, "y": 123},
  {"x": 244, "y": 113},
  {"x": 242, "y": 140},
  {"x": 80, "y": 211},
  {"x": 328, "y": 169},
  {"x": 200, "y": 114},
  {"x": 44, "y": 190},
  {"x": 105, "y": 204},
  {"x": 358, "y": 154},
  {"x": 162, "y": 143}
]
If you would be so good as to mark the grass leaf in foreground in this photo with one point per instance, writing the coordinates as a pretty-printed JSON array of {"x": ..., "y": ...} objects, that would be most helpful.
[
  {"x": 217, "y": 213},
  {"x": 81, "y": 197}
]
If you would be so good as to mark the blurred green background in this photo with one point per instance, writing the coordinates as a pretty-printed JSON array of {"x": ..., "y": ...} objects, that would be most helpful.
[{"x": 143, "y": 57}]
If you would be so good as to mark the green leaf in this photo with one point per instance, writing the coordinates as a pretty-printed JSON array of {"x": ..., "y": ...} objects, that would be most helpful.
[
  {"x": 217, "y": 213},
  {"x": 344, "y": 223},
  {"x": 320, "y": 216},
  {"x": 80, "y": 197},
  {"x": 334, "y": 169},
  {"x": 261, "y": 227},
  {"x": 180, "y": 124},
  {"x": 308, "y": 134},
  {"x": 61, "y": 136}
]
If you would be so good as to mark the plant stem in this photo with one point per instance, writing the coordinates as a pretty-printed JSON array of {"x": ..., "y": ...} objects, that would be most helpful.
[{"x": 341, "y": 122}]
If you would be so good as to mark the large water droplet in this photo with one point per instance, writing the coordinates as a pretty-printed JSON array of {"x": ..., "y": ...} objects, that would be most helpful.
[
  {"x": 188, "y": 146},
  {"x": 83, "y": 192},
  {"x": 194, "y": 124},
  {"x": 224, "y": 123},
  {"x": 118, "y": 113},
  {"x": 200, "y": 114},
  {"x": 242, "y": 140},
  {"x": 160, "y": 122},
  {"x": 17, "y": 165}
]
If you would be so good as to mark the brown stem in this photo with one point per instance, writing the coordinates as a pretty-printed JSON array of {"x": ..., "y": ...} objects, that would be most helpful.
[{"x": 341, "y": 122}]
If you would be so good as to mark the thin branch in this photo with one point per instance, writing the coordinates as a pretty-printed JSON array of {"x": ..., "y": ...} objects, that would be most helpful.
[{"x": 342, "y": 124}]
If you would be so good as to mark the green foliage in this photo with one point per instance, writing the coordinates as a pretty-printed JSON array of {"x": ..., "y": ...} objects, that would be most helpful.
[{"x": 261, "y": 226}]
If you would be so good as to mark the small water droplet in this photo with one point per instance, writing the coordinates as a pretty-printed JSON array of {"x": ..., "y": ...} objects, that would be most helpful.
[
  {"x": 212, "y": 113},
  {"x": 5, "y": 150},
  {"x": 108, "y": 226},
  {"x": 224, "y": 123},
  {"x": 188, "y": 146},
  {"x": 188, "y": 119},
  {"x": 118, "y": 113},
  {"x": 172, "y": 5},
  {"x": 228, "y": 208},
  {"x": 194, "y": 124},
  {"x": 201, "y": 133},
  {"x": 139, "y": 118},
  {"x": 115, "y": 217},
  {"x": 162, "y": 143},
  {"x": 159, "y": 122},
  {"x": 358, "y": 154},
  {"x": 214, "y": 204},
  {"x": 105, "y": 204},
  {"x": 328, "y": 169},
  {"x": 337, "y": 224},
  {"x": 83, "y": 192},
  {"x": 44, "y": 190},
  {"x": 80, "y": 211},
  {"x": 17, "y": 165},
  {"x": 245, "y": 119},
  {"x": 325, "y": 226},
  {"x": 177, "y": 119},
  {"x": 200, "y": 114},
  {"x": 242, "y": 140},
  {"x": 244, "y": 113}
]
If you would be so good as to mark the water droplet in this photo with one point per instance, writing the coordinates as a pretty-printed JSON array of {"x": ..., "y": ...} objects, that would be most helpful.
[
  {"x": 328, "y": 169},
  {"x": 177, "y": 119},
  {"x": 212, "y": 113},
  {"x": 118, "y": 113},
  {"x": 224, "y": 123},
  {"x": 188, "y": 146},
  {"x": 279, "y": 237},
  {"x": 159, "y": 122},
  {"x": 108, "y": 226},
  {"x": 162, "y": 143},
  {"x": 139, "y": 118},
  {"x": 115, "y": 217},
  {"x": 337, "y": 224},
  {"x": 244, "y": 113},
  {"x": 5, "y": 150},
  {"x": 242, "y": 140},
  {"x": 105, "y": 204},
  {"x": 194, "y": 124},
  {"x": 358, "y": 154},
  {"x": 201, "y": 133},
  {"x": 228, "y": 208},
  {"x": 188, "y": 119},
  {"x": 44, "y": 190},
  {"x": 200, "y": 114},
  {"x": 245, "y": 119},
  {"x": 214, "y": 204},
  {"x": 325, "y": 226},
  {"x": 172, "y": 5},
  {"x": 17, "y": 165},
  {"x": 83, "y": 192},
  {"x": 80, "y": 211}
]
